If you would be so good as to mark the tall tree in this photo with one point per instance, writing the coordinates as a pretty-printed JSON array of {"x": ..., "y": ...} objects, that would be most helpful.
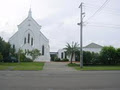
[
  {"x": 71, "y": 49},
  {"x": 4, "y": 48}
]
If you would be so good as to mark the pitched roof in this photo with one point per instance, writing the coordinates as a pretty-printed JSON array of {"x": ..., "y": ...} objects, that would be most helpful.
[{"x": 93, "y": 45}]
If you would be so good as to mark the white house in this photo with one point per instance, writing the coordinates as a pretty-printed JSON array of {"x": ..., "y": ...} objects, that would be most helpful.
[
  {"x": 92, "y": 47},
  {"x": 30, "y": 37},
  {"x": 62, "y": 55}
]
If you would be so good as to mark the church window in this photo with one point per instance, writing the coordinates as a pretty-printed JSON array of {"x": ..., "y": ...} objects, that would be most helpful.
[
  {"x": 62, "y": 55},
  {"x": 13, "y": 46},
  {"x": 32, "y": 41},
  {"x": 43, "y": 50},
  {"x": 25, "y": 40},
  {"x": 28, "y": 38}
]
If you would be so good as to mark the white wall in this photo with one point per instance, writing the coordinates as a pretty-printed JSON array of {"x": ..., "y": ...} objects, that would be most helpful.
[{"x": 38, "y": 38}]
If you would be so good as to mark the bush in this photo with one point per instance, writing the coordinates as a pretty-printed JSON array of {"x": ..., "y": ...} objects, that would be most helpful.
[
  {"x": 95, "y": 58},
  {"x": 87, "y": 57},
  {"x": 65, "y": 60},
  {"x": 27, "y": 60},
  {"x": 108, "y": 55},
  {"x": 57, "y": 59}
]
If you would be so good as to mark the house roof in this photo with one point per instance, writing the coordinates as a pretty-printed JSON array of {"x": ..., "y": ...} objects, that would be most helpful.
[{"x": 93, "y": 45}]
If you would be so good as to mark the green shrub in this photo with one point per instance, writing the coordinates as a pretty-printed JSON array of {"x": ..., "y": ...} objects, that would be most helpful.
[
  {"x": 57, "y": 59},
  {"x": 65, "y": 60},
  {"x": 27, "y": 60}
]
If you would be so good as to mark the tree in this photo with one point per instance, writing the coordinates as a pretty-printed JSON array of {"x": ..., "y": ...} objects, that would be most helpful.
[
  {"x": 4, "y": 48},
  {"x": 34, "y": 53},
  {"x": 19, "y": 55},
  {"x": 71, "y": 49},
  {"x": 108, "y": 55},
  {"x": 118, "y": 55},
  {"x": 1, "y": 57}
]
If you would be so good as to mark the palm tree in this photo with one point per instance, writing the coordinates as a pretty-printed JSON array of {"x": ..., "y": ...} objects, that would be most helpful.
[{"x": 71, "y": 49}]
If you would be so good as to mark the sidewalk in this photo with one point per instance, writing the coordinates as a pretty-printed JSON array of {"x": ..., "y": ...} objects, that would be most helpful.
[{"x": 57, "y": 67}]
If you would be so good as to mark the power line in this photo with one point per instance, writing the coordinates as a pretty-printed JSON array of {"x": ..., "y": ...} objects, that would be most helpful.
[
  {"x": 103, "y": 26},
  {"x": 103, "y": 5},
  {"x": 107, "y": 10}
]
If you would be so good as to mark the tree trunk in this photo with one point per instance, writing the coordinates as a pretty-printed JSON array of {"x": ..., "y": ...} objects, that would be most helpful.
[{"x": 71, "y": 58}]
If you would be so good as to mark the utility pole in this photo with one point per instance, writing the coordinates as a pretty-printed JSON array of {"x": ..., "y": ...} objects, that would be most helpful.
[{"x": 81, "y": 35}]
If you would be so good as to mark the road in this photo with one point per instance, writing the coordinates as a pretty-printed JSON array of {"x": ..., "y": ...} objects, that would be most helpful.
[{"x": 59, "y": 80}]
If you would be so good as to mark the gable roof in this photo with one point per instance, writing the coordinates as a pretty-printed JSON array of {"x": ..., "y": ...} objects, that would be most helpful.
[
  {"x": 31, "y": 19},
  {"x": 93, "y": 45}
]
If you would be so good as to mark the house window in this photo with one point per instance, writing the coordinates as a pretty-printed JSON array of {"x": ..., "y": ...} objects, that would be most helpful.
[
  {"x": 62, "y": 55},
  {"x": 28, "y": 38},
  {"x": 13, "y": 46},
  {"x": 43, "y": 50},
  {"x": 65, "y": 55},
  {"x": 31, "y": 41},
  {"x": 25, "y": 40}
]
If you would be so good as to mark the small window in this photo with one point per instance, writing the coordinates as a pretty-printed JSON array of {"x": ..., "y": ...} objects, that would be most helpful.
[
  {"x": 65, "y": 55},
  {"x": 28, "y": 38},
  {"x": 31, "y": 41},
  {"x": 13, "y": 46},
  {"x": 24, "y": 40},
  {"x": 43, "y": 50},
  {"x": 62, "y": 55}
]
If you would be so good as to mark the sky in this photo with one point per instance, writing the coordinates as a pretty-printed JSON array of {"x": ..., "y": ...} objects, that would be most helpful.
[{"x": 59, "y": 19}]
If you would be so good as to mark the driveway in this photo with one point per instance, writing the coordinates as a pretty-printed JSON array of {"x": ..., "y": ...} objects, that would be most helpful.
[{"x": 57, "y": 67}]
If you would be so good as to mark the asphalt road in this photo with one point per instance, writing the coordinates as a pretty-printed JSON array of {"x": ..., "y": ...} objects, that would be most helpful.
[{"x": 78, "y": 80}]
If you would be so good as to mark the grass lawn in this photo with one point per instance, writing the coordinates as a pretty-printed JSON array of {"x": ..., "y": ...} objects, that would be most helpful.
[
  {"x": 102, "y": 67},
  {"x": 22, "y": 66}
]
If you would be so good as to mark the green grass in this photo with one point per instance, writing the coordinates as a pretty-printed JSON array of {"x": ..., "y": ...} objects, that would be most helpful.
[
  {"x": 97, "y": 68},
  {"x": 22, "y": 66}
]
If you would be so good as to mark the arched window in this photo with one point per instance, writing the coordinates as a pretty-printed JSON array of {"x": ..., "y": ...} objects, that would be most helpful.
[
  {"x": 62, "y": 55},
  {"x": 13, "y": 46},
  {"x": 43, "y": 50},
  {"x": 31, "y": 41},
  {"x": 28, "y": 38},
  {"x": 25, "y": 40}
]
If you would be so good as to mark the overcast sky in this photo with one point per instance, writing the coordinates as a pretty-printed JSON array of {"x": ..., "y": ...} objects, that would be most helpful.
[{"x": 59, "y": 19}]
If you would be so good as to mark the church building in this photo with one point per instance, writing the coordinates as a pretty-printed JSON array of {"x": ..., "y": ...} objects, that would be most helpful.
[{"x": 29, "y": 37}]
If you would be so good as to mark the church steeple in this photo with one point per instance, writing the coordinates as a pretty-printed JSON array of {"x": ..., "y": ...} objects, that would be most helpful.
[{"x": 30, "y": 13}]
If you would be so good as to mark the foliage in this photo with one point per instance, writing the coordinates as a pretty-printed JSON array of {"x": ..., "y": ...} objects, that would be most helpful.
[
  {"x": 108, "y": 55},
  {"x": 87, "y": 57},
  {"x": 118, "y": 55},
  {"x": 4, "y": 48},
  {"x": 65, "y": 60},
  {"x": 27, "y": 60},
  {"x": 53, "y": 57},
  {"x": 71, "y": 49},
  {"x": 34, "y": 53},
  {"x": 95, "y": 58},
  {"x": 57, "y": 59},
  {"x": 1, "y": 57}
]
